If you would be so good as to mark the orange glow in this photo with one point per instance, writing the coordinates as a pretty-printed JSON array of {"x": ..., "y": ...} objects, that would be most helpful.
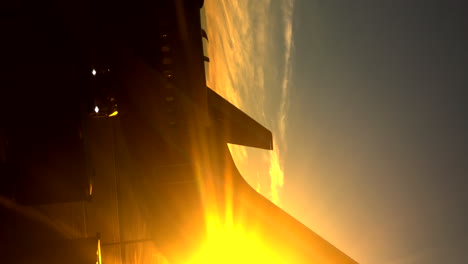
[
  {"x": 228, "y": 240},
  {"x": 98, "y": 253},
  {"x": 227, "y": 243}
]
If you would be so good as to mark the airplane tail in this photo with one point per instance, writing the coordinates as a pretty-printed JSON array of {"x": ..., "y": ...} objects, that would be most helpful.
[{"x": 235, "y": 126}]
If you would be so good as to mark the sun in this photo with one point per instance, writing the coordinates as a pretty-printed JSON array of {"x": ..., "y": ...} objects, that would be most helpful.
[{"x": 229, "y": 243}]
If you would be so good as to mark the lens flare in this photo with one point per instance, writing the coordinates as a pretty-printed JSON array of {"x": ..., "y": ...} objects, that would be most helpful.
[
  {"x": 229, "y": 239},
  {"x": 232, "y": 244}
]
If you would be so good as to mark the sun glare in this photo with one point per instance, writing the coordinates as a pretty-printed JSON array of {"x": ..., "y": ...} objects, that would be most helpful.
[{"x": 231, "y": 244}]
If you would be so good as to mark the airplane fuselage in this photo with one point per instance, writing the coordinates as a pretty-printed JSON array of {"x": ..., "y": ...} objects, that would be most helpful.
[{"x": 141, "y": 65}]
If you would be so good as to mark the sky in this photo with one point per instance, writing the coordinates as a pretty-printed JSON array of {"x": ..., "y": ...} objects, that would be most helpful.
[
  {"x": 250, "y": 55},
  {"x": 366, "y": 101}
]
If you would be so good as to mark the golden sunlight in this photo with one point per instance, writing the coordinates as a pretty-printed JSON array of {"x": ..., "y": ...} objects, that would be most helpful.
[{"x": 227, "y": 243}]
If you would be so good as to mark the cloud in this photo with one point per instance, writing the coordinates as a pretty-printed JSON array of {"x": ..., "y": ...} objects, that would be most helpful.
[
  {"x": 288, "y": 43},
  {"x": 243, "y": 52},
  {"x": 276, "y": 175},
  {"x": 276, "y": 164}
]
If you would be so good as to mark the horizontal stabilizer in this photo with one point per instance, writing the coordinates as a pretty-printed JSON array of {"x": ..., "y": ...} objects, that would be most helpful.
[{"x": 235, "y": 126}]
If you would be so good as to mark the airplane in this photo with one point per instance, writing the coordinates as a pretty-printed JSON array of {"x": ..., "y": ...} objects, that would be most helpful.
[{"x": 90, "y": 83}]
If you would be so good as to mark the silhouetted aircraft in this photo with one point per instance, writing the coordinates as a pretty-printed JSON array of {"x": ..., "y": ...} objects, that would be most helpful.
[{"x": 132, "y": 73}]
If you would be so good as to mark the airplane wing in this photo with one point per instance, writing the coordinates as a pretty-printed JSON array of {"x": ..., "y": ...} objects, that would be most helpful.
[{"x": 236, "y": 126}]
